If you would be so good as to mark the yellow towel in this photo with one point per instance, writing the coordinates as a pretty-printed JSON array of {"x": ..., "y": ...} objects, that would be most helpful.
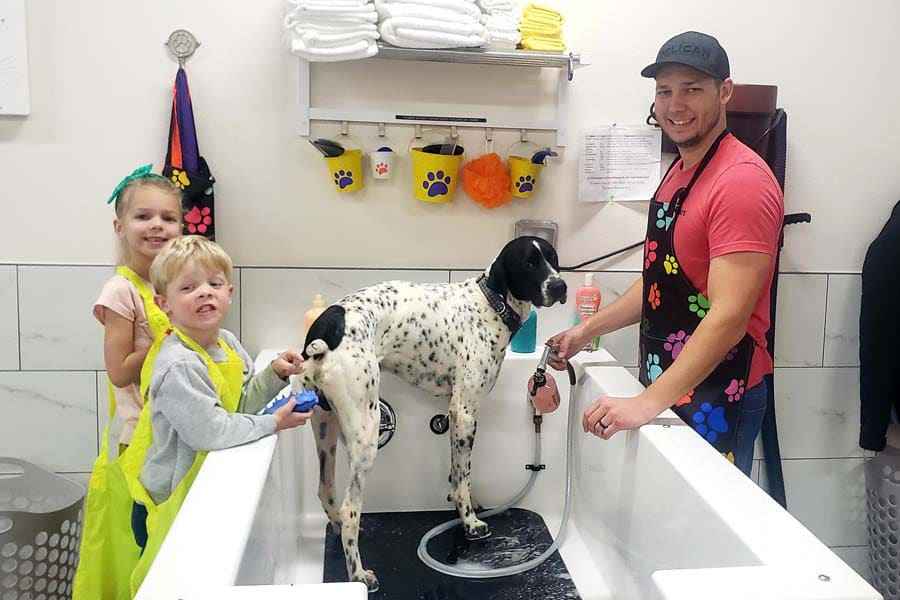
[
  {"x": 540, "y": 29},
  {"x": 547, "y": 44},
  {"x": 533, "y": 18},
  {"x": 538, "y": 10}
]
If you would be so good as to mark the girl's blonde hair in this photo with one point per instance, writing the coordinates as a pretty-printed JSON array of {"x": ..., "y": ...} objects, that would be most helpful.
[
  {"x": 177, "y": 252},
  {"x": 123, "y": 203}
]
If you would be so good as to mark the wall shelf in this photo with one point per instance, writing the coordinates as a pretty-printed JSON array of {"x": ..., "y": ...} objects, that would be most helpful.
[{"x": 497, "y": 118}]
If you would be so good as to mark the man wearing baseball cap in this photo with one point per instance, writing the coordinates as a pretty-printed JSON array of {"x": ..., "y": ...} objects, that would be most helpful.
[{"x": 709, "y": 258}]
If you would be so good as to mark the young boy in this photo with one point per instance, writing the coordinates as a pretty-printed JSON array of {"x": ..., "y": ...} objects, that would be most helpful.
[{"x": 188, "y": 413}]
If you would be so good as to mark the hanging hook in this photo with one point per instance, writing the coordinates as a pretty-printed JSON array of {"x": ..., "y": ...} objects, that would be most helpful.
[
  {"x": 453, "y": 132},
  {"x": 489, "y": 134},
  {"x": 182, "y": 44},
  {"x": 418, "y": 130},
  {"x": 523, "y": 135},
  {"x": 345, "y": 128},
  {"x": 570, "y": 69},
  {"x": 381, "y": 130}
]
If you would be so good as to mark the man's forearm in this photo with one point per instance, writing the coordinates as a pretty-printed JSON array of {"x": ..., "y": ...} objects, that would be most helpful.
[
  {"x": 624, "y": 311},
  {"x": 708, "y": 345}
]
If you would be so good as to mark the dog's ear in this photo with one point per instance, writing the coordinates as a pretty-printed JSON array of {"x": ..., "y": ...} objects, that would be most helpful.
[{"x": 496, "y": 279}]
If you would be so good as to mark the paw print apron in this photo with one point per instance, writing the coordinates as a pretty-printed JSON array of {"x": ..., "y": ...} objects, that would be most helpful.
[
  {"x": 186, "y": 168},
  {"x": 672, "y": 310},
  {"x": 116, "y": 568},
  {"x": 108, "y": 552}
]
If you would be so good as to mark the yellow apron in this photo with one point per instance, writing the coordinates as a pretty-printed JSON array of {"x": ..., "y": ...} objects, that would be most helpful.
[
  {"x": 108, "y": 551},
  {"x": 228, "y": 379}
]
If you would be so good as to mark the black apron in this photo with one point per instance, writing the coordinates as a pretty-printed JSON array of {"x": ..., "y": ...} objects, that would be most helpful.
[{"x": 672, "y": 309}]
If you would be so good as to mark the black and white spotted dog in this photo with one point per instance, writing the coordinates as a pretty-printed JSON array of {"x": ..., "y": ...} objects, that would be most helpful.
[{"x": 447, "y": 339}]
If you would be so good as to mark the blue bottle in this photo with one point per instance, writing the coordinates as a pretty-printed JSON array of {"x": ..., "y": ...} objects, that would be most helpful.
[{"x": 525, "y": 339}]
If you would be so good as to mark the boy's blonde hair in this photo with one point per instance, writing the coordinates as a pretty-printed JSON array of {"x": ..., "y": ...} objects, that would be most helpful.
[
  {"x": 123, "y": 203},
  {"x": 177, "y": 252}
]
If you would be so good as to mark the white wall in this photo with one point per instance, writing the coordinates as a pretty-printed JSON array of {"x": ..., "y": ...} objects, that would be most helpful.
[{"x": 101, "y": 83}]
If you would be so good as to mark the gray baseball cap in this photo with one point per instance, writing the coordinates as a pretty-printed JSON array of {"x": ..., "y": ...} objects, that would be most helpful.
[{"x": 696, "y": 50}]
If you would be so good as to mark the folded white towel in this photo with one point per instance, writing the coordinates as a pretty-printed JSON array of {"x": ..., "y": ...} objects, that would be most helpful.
[
  {"x": 501, "y": 21},
  {"x": 406, "y": 33},
  {"x": 355, "y": 50},
  {"x": 333, "y": 40},
  {"x": 293, "y": 4},
  {"x": 501, "y": 46},
  {"x": 513, "y": 37},
  {"x": 433, "y": 25},
  {"x": 499, "y": 7},
  {"x": 455, "y": 10},
  {"x": 292, "y": 24}
]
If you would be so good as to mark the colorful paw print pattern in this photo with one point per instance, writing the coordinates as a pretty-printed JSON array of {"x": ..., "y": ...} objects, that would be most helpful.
[
  {"x": 687, "y": 399},
  {"x": 710, "y": 421},
  {"x": 526, "y": 183},
  {"x": 198, "y": 220},
  {"x": 654, "y": 297},
  {"x": 343, "y": 178},
  {"x": 699, "y": 305},
  {"x": 735, "y": 390},
  {"x": 663, "y": 220},
  {"x": 650, "y": 247},
  {"x": 731, "y": 354},
  {"x": 180, "y": 179},
  {"x": 653, "y": 368},
  {"x": 670, "y": 265},
  {"x": 381, "y": 168},
  {"x": 675, "y": 342},
  {"x": 436, "y": 184}
]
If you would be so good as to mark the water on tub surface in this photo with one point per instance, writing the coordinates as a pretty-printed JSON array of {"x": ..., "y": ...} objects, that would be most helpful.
[{"x": 388, "y": 542}]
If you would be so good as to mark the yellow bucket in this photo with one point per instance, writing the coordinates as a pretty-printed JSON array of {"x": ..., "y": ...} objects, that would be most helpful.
[
  {"x": 523, "y": 175},
  {"x": 435, "y": 175},
  {"x": 346, "y": 171}
]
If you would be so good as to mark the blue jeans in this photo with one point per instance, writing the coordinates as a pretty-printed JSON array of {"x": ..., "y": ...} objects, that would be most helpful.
[
  {"x": 139, "y": 525},
  {"x": 748, "y": 426}
]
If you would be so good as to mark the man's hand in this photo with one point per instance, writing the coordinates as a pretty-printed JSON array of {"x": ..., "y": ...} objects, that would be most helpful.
[{"x": 606, "y": 415}]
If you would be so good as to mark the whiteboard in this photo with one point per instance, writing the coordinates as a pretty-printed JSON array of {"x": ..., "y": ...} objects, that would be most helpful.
[{"x": 14, "y": 96}]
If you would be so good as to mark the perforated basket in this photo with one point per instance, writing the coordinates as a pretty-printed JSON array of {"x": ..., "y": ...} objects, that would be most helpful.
[
  {"x": 40, "y": 527},
  {"x": 883, "y": 509}
]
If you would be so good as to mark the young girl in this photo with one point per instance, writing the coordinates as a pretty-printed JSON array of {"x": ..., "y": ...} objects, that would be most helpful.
[{"x": 148, "y": 214}]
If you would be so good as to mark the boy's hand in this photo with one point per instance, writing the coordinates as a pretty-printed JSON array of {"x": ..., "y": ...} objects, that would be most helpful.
[
  {"x": 286, "y": 418},
  {"x": 289, "y": 362}
]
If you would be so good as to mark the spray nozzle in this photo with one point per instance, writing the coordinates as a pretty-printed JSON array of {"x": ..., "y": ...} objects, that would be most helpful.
[{"x": 542, "y": 390}]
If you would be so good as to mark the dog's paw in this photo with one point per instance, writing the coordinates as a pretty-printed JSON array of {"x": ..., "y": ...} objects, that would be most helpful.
[
  {"x": 368, "y": 578},
  {"x": 477, "y": 531}
]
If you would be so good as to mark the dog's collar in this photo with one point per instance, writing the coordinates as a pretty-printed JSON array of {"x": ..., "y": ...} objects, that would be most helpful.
[{"x": 510, "y": 317}]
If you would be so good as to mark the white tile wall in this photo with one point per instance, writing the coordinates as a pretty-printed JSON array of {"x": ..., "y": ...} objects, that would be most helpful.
[
  {"x": 49, "y": 418},
  {"x": 9, "y": 319},
  {"x": 275, "y": 300},
  {"x": 818, "y": 412},
  {"x": 800, "y": 320},
  {"x": 57, "y": 328},
  {"x": 842, "y": 320}
]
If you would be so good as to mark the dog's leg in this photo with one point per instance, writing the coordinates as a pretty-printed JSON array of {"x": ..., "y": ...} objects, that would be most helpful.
[
  {"x": 360, "y": 427},
  {"x": 462, "y": 437},
  {"x": 325, "y": 429}
]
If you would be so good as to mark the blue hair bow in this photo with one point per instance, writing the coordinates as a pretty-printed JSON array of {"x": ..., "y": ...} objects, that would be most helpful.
[{"x": 139, "y": 173}]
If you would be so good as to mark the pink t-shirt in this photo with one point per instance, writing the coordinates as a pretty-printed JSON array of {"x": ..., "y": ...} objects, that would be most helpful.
[
  {"x": 735, "y": 206},
  {"x": 120, "y": 296}
]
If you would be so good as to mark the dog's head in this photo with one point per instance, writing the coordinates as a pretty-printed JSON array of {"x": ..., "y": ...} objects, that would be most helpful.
[{"x": 528, "y": 269}]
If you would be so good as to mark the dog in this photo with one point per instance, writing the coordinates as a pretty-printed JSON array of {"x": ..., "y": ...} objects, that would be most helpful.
[{"x": 447, "y": 339}]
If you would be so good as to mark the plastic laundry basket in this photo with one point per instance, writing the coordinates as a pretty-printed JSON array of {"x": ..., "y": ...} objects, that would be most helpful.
[
  {"x": 883, "y": 509},
  {"x": 40, "y": 527}
]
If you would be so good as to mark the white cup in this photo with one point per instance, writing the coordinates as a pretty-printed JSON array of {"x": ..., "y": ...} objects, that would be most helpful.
[{"x": 382, "y": 163}]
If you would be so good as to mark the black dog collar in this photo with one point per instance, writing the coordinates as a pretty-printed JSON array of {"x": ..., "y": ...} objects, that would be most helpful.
[{"x": 510, "y": 317}]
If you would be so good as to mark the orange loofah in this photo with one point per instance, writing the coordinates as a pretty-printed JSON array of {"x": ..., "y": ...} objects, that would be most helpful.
[{"x": 486, "y": 180}]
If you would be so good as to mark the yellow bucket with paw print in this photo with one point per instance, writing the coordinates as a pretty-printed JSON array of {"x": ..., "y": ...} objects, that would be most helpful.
[
  {"x": 523, "y": 175},
  {"x": 346, "y": 171},
  {"x": 434, "y": 174}
]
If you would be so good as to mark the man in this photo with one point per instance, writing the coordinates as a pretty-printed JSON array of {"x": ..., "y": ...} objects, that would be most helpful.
[{"x": 709, "y": 258}]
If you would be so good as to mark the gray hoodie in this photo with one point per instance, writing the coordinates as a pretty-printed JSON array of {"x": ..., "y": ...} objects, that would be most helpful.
[{"x": 187, "y": 417}]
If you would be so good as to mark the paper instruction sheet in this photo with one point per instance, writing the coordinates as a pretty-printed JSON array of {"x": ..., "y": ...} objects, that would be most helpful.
[{"x": 619, "y": 163}]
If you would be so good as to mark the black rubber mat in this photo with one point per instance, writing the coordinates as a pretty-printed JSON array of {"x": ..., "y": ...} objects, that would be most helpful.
[{"x": 388, "y": 543}]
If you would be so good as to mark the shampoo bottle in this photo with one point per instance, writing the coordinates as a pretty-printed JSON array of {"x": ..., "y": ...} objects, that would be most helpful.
[{"x": 587, "y": 302}]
